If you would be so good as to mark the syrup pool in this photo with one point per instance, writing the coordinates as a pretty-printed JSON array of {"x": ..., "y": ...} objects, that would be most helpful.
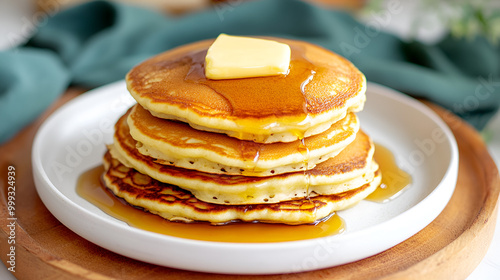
[{"x": 91, "y": 188}]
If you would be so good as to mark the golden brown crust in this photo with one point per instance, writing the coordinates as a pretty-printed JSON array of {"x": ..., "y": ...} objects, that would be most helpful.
[
  {"x": 174, "y": 203},
  {"x": 357, "y": 155},
  {"x": 319, "y": 87},
  {"x": 350, "y": 169},
  {"x": 169, "y": 140}
]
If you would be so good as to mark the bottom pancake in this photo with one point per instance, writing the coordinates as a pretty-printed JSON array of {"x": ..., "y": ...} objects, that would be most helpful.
[{"x": 176, "y": 204}]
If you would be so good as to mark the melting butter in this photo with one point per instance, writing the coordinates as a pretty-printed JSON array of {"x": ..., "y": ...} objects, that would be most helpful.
[{"x": 233, "y": 57}]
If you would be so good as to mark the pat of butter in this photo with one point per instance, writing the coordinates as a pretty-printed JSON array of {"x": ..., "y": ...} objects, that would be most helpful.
[{"x": 233, "y": 57}]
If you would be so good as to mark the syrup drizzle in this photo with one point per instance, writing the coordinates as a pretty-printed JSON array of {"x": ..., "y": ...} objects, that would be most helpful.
[
  {"x": 271, "y": 96},
  {"x": 91, "y": 188},
  {"x": 249, "y": 150},
  {"x": 258, "y": 97},
  {"x": 256, "y": 103},
  {"x": 307, "y": 176},
  {"x": 394, "y": 179}
]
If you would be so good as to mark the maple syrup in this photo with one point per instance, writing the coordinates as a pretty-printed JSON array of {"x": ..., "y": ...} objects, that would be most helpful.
[
  {"x": 304, "y": 151},
  {"x": 394, "y": 179},
  {"x": 91, "y": 188},
  {"x": 257, "y": 103},
  {"x": 258, "y": 97},
  {"x": 261, "y": 97},
  {"x": 249, "y": 150}
]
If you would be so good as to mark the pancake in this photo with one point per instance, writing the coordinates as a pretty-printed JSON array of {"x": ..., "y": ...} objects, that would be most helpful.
[
  {"x": 178, "y": 144},
  {"x": 176, "y": 204},
  {"x": 350, "y": 169},
  {"x": 320, "y": 88}
]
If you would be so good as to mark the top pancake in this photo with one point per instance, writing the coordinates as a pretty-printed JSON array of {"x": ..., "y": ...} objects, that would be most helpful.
[{"x": 320, "y": 88}]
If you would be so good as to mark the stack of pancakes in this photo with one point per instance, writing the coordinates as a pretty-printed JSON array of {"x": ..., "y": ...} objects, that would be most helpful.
[{"x": 278, "y": 149}]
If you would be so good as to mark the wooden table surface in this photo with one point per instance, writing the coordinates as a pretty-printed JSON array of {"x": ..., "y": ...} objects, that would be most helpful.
[{"x": 450, "y": 247}]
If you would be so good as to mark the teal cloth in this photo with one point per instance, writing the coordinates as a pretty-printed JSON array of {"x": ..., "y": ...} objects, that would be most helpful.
[{"x": 98, "y": 42}]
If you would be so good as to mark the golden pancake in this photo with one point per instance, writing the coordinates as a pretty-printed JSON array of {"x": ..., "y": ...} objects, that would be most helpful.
[
  {"x": 178, "y": 144},
  {"x": 176, "y": 204},
  {"x": 350, "y": 169},
  {"x": 320, "y": 88}
]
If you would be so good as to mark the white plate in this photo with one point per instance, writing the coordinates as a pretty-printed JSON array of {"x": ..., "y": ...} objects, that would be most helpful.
[{"x": 73, "y": 139}]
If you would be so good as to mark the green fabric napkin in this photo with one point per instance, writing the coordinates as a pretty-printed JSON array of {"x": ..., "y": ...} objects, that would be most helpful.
[{"x": 97, "y": 43}]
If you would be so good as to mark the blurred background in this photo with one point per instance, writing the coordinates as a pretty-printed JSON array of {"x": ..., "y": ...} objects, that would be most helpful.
[
  {"x": 423, "y": 20},
  {"x": 426, "y": 20}
]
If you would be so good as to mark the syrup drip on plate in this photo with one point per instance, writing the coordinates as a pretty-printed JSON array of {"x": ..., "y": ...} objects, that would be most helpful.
[
  {"x": 394, "y": 179},
  {"x": 90, "y": 188}
]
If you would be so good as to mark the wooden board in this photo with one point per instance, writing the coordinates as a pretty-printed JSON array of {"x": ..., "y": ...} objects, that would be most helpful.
[{"x": 450, "y": 247}]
